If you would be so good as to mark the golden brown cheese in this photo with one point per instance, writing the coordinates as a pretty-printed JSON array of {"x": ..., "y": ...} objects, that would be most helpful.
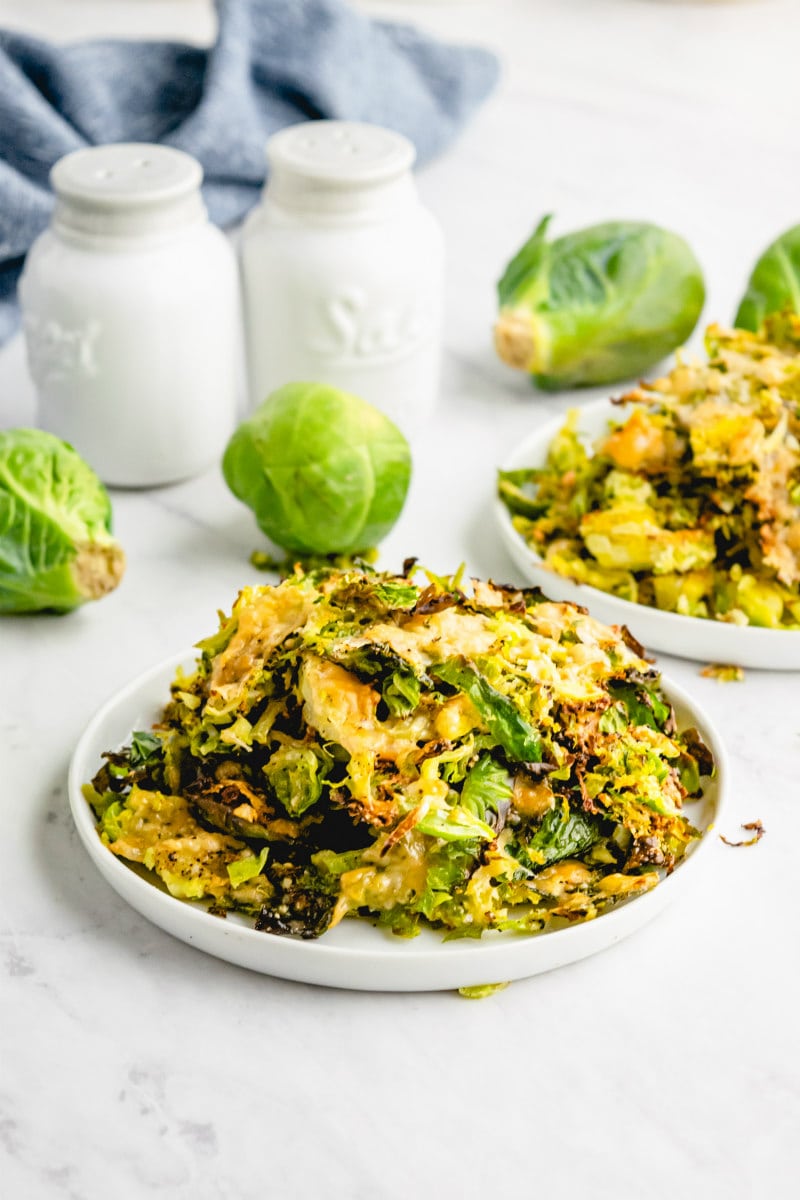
[
  {"x": 456, "y": 718},
  {"x": 266, "y": 617},
  {"x": 386, "y": 881},
  {"x": 639, "y": 445},
  {"x": 160, "y": 833},
  {"x": 343, "y": 709},
  {"x": 722, "y": 432},
  {"x": 566, "y": 876},
  {"x": 532, "y": 797},
  {"x": 572, "y": 675}
]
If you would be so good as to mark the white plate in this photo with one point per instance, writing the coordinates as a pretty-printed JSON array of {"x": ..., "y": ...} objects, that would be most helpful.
[
  {"x": 703, "y": 639},
  {"x": 355, "y": 954}
]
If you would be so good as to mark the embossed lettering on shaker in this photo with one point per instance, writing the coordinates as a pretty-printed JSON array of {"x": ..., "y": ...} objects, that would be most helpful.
[
  {"x": 348, "y": 326},
  {"x": 57, "y": 354}
]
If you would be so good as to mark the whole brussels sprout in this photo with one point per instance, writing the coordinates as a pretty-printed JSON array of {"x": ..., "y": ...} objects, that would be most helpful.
[
  {"x": 598, "y": 305},
  {"x": 323, "y": 471},
  {"x": 774, "y": 285},
  {"x": 56, "y": 548}
]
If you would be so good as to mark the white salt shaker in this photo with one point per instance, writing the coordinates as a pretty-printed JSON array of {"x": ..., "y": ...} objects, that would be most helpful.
[
  {"x": 342, "y": 271},
  {"x": 131, "y": 316}
]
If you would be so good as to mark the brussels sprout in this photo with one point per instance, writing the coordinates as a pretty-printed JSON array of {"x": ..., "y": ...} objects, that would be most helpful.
[
  {"x": 602, "y": 304},
  {"x": 774, "y": 284},
  {"x": 324, "y": 472},
  {"x": 56, "y": 548}
]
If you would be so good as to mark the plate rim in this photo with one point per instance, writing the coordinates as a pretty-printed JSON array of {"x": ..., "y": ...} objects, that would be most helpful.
[{"x": 459, "y": 955}]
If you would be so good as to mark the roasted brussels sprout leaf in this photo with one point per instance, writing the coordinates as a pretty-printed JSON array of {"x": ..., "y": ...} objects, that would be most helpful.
[
  {"x": 487, "y": 792},
  {"x": 295, "y": 777},
  {"x": 300, "y": 906},
  {"x": 723, "y": 672},
  {"x": 503, "y": 719},
  {"x": 242, "y": 869},
  {"x": 56, "y": 548},
  {"x": 774, "y": 285},
  {"x": 642, "y": 705},
  {"x": 144, "y": 747},
  {"x": 563, "y": 835},
  {"x": 757, "y": 829},
  {"x": 598, "y": 305},
  {"x": 324, "y": 472},
  {"x": 481, "y": 990}
]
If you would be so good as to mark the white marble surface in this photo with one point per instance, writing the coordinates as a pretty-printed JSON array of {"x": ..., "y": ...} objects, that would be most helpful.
[{"x": 132, "y": 1065}]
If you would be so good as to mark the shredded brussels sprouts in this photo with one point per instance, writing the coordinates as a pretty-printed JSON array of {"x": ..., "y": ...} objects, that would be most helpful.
[
  {"x": 691, "y": 503},
  {"x": 411, "y": 751}
]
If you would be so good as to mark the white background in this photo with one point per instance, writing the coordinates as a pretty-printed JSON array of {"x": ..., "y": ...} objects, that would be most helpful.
[{"x": 666, "y": 1067}]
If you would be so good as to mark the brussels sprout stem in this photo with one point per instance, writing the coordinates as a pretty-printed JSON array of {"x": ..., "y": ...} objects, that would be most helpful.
[
  {"x": 98, "y": 567},
  {"x": 514, "y": 340}
]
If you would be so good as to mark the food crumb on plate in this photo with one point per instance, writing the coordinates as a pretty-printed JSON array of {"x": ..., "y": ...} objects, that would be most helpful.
[
  {"x": 723, "y": 672},
  {"x": 481, "y": 990},
  {"x": 754, "y": 827}
]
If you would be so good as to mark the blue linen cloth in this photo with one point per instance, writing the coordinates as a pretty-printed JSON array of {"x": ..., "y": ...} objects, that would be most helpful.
[{"x": 275, "y": 62}]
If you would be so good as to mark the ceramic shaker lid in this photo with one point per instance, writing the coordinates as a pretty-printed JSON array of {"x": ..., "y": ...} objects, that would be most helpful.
[
  {"x": 323, "y": 161},
  {"x": 125, "y": 187}
]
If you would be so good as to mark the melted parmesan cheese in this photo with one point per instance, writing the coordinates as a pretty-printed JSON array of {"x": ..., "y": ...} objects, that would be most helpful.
[
  {"x": 160, "y": 833},
  {"x": 431, "y": 637},
  {"x": 344, "y": 710},
  {"x": 397, "y": 878},
  {"x": 266, "y": 617}
]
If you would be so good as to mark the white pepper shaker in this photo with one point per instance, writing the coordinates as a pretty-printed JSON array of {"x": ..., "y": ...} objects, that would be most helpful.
[
  {"x": 131, "y": 315},
  {"x": 342, "y": 271}
]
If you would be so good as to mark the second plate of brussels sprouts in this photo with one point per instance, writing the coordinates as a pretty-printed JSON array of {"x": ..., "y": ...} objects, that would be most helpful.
[{"x": 677, "y": 510}]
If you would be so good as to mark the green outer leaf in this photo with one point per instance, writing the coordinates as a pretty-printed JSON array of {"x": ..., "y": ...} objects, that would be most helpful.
[
  {"x": 401, "y": 691},
  {"x": 242, "y": 869},
  {"x": 481, "y": 990},
  {"x": 51, "y": 504},
  {"x": 331, "y": 863},
  {"x": 528, "y": 262},
  {"x": 642, "y": 704},
  {"x": 506, "y": 724},
  {"x": 450, "y": 865},
  {"x": 109, "y": 820},
  {"x": 144, "y": 746},
  {"x": 390, "y": 457},
  {"x": 55, "y": 590},
  {"x": 295, "y": 775},
  {"x": 774, "y": 284},
  {"x": 397, "y": 595},
  {"x": 606, "y": 302},
  {"x": 614, "y": 719},
  {"x": 487, "y": 786},
  {"x": 516, "y": 500},
  {"x": 323, "y": 471},
  {"x": 689, "y": 773},
  {"x": 215, "y": 643},
  {"x": 563, "y": 837},
  {"x": 455, "y": 824}
]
